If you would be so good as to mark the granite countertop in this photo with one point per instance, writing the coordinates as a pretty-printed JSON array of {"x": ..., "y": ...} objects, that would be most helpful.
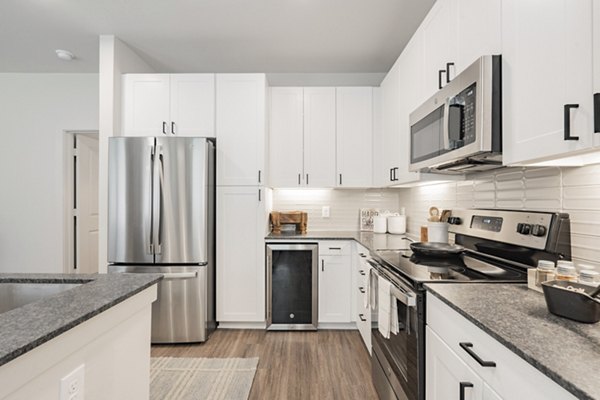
[
  {"x": 27, "y": 327},
  {"x": 566, "y": 351},
  {"x": 372, "y": 241}
]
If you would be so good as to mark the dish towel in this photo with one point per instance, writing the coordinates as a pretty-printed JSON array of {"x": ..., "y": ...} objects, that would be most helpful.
[
  {"x": 385, "y": 308},
  {"x": 394, "y": 326}
]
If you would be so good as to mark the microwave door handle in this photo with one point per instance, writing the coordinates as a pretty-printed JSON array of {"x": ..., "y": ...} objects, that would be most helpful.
[{"x": 445, "y": 130}]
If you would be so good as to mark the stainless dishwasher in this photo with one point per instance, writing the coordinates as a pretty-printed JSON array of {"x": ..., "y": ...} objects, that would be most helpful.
[{"x": 292, "y": 286}]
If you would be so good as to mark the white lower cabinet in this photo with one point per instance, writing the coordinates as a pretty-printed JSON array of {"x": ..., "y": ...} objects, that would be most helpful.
[
  {"x": 335, "y": 282},
  {"x": 448, "y": 363},
  {"x": 447, "y": 376},
  {"x": 241, "y": 228},
  {"x": 363, "y": 310}
]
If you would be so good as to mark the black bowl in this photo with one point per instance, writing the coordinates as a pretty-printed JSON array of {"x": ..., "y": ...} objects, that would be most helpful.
[{"x": 567, "y": 303}]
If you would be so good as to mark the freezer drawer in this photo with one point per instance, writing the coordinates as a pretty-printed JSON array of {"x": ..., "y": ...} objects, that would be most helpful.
[{"x": 179, "y": 315}]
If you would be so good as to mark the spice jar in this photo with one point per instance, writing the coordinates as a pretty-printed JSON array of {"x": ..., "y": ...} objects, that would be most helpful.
[
  {"x": 565, "y": 271},
  {"x": 545, "y": 272},
  {"x": 589, "y": 276}
]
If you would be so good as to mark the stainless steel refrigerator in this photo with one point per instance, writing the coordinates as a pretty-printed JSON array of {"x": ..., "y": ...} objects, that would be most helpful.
[{"x": 161, "y": 214}]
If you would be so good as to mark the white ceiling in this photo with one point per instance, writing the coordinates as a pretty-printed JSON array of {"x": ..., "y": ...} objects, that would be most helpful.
[{"x": 283, "y": 36}]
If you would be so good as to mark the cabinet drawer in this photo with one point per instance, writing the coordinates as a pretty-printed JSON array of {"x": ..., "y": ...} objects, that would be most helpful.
[
  {"x": 511, "y": 378},
  {"x": 335, "y": 248}
]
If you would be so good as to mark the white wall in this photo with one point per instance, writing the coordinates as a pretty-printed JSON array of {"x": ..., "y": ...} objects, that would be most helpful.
[
  {"x": 116, "y": 58},
  {"x": 572, "y": 190},
  {"x": 344, "y": 205},
  {"x": 35, "y": 111}
]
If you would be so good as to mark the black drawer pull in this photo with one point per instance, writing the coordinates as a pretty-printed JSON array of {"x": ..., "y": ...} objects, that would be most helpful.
[
  {"x": 597, "y": 112},
  {"x": 361, "y": 289},
  {"x": 363, "y": 273},
  {"x": 448, "y": 65},
  {"x": 467, "y": 347},
  {"x": 362, "y": 317},
  {"x": 440, "y": 73},
  {"x": 335, "y": 248},
  {"x": 567, "y": 118},
  {"x": 463, "y": 386}
]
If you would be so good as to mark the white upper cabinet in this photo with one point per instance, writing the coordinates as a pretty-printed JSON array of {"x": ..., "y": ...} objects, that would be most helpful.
[
  {"x": 168, "y": 105},
  {"x": 241, "y": 108},
  {"x": 440, "y": 44},
  {"x": 354, "y": 139},
  {"x": 286, "y": 137},
  {"x": 302, "y": 137},
  {"x": 146, "y": 105},
  {"x": 479, "y": 29},
  {"x": 319, "y": 136},
  {"x": 193, "y": 105},
  {"x": 390, "y": 123},
  {"x": 547, "y": 78}
]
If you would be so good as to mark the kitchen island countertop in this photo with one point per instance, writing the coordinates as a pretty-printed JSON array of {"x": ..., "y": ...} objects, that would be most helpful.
[
  {"x": 566, "y": 351},
  {"x": 29, "y": 326}
]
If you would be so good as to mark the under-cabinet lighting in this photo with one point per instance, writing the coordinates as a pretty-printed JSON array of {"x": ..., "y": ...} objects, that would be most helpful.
[{"x": 578, "y": 160}]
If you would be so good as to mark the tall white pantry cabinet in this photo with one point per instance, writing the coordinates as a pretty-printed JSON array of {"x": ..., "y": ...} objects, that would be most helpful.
[{"x": 242, "y": 201}]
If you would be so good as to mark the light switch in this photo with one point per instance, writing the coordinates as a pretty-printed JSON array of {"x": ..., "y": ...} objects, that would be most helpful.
[{"x": 325, "y": 212}]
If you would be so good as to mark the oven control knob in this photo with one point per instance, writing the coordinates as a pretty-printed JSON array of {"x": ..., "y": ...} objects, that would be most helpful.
[
  {"x": 538, "y": 230},
  {"x": 525, "y": 229},
  {"x": 454, "y": 221},
  {"x": 519, "y": 227}
]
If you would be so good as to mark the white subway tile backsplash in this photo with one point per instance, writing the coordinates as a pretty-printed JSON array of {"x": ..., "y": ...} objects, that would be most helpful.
[
  {"x": 572, "y": 190},
  {"x": 344, "y": 205}
]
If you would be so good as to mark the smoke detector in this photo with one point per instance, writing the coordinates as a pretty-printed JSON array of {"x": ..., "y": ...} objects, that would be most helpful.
[{"x": 65, "y": 55}]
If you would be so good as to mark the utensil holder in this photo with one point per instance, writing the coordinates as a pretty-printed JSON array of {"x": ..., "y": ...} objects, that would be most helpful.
[{"x": 437, "y": 232}]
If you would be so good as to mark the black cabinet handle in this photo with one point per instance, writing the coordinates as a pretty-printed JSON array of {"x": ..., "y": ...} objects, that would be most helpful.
[
  {"x": 322, "y": 265},
  {"x": 259, "y": 176},
  {"x": 307, "y": 179},
  {"x": 567, "y": 119},
  {"x": 440, "y": 72},
  {"x": 394, "y": 178},
  {"x": 361, "y": 289},
  {"x": 340, "y": 179},
  {"x": 448, "y": 65},
  {"x": 298, "y": 179},
  {"x": 172, "y": 127},
  {"x": 335, "y": 248},
  {"x": 164, "y": 127},
  {"x": 362, "y": 317},
  {"x": 391, "y": 176},
  {"x": 259, "y": 195},
  {"x": 597, "y": 112},
  {"x": 463, "y": 386},
  {"x": 467, "y": 347},
  {"x": 363, "y": 273}
]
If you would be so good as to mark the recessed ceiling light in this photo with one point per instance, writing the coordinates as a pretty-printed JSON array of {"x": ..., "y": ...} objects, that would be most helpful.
[{"x": 65, "y": 55}]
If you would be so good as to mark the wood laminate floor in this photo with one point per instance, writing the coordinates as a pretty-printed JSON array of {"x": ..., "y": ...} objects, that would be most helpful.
[{"x": 292, "y": 365}]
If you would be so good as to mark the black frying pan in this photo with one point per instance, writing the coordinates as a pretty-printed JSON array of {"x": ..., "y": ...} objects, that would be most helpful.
[{"x": 435, "y": 249}]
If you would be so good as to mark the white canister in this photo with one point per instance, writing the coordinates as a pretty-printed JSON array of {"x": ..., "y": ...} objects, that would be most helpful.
[
  {"x": 437, "y": 232},
  {"x": 379, "y": 224},
  {"x": 397, "y": 224}
]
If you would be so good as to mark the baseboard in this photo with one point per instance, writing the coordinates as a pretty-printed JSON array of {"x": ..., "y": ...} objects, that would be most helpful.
[
  {"x": 242, "y": 325},
  {"x": 338, "y": 326}
]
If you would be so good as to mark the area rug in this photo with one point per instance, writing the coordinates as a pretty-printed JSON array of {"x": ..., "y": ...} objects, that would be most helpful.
[{"x": 174, "y": 378}]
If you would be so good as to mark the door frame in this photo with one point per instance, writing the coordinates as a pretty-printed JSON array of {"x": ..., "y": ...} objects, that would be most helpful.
[{"x": 68, "y": 196}]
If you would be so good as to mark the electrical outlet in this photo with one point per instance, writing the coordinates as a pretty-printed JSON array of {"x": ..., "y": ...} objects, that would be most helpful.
[
  {"x": 71, "y": 386},
  {"x": 325, "y": 212}
]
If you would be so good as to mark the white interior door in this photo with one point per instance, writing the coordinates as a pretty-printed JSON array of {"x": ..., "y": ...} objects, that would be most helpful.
[{"x": 86, "y": 204}]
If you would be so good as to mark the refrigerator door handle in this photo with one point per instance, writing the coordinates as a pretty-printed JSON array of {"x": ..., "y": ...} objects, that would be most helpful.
[
  {"x": 151, "y": 236},
  {"x": 156, "y": 200},
  {"x": 180, "y": 275}
]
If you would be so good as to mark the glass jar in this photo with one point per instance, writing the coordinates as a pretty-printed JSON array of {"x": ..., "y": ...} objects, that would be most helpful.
[
  {"x": 565, "y": 271},
  {"x": 589, "y": 277},
  {"x": 545, "y": 271}
]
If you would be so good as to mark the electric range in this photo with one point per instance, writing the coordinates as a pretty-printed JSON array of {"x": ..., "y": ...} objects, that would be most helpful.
[{"x": 500, "y": 246}]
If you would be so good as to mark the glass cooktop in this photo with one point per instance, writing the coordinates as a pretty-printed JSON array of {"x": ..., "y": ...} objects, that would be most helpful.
[{"x": 463, "y": 267}]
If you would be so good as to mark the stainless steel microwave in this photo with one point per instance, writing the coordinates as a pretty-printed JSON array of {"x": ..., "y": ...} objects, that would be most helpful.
[{"x": 459, "y": 129}]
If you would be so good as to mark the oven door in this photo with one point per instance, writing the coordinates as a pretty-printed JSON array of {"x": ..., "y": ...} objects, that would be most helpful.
[{"x": 395, "y": 361}]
